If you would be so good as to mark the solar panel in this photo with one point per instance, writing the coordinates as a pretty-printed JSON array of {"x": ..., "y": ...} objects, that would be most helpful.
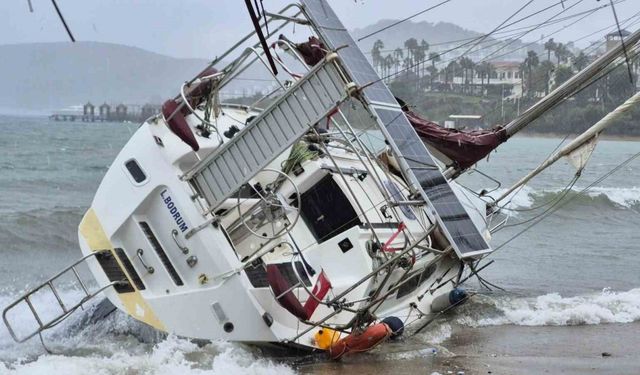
[{"x": 447, "y": 209}]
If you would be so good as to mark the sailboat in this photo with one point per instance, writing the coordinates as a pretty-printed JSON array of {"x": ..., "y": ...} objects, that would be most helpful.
[{"x": 324, "y": 216}]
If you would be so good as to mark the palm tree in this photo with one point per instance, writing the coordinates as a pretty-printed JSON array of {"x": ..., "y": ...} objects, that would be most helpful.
[
  {"x": 376, "y": 55},
  {"x": 485, "y": 69},
  {"x": 450, "y": 71},
  {"x": 433, "y": 73},
  {"x": 561, "y": 52},
  {"x": 388, "y": 63},
  {"x": 550, "y": 46},
  {"x": 407, "y": 63},
  {"x": 434, "y": 57},
  {"x": 467, "y": 66},
  {"x": 530, "y": 62},
  {"x": 581, "y": 61},
  {"x": 472, "y": 70},
  {"x": 398, "y": 55},
  {"x": 491, "y": 70},
  {"x": 411, "y": 45},
  {"x": 419, "y": 57},
  {"x": 424, "y": 48}
]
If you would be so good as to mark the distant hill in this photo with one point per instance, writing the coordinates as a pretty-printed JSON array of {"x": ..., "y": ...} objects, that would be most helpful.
[
  {"x": 394, "y": 37},
  {"x": 47, "y": 76},
  {"x": 441, "y": 36},
  {"x": 54, "y": 75}
]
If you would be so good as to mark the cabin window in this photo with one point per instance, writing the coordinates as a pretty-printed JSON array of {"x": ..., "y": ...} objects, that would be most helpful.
[
  {"x": 326, "y": 210},
  {"x": 415, "y": 281},
  {"x": 135, "y": 171}
]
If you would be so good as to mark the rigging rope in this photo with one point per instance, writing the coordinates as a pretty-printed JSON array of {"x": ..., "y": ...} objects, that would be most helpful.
[
  {"x": 564, "y": 28},
  {"x": 402, "y": 20},
  {"x": 66, "y": 27},
  {"x": 503, "y": 207},
  {"x": 440, "y": 53},
  {"x": 497, "y": 27},
  {"x": 624, "y": 45},
  {"x": 530, "y": 31},
  {"x": 486, "y": 47},
  {"x": 556, "y": 201},
  {"x": 506, "y": 33},
  {"x": 554, "y": 33}
]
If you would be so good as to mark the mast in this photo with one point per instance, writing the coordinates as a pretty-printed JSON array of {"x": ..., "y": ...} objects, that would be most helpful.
[
  {"x": 579, "y": 142},
  {"x": 568, "y": 88},
  {"x": 562, "y": 92}
]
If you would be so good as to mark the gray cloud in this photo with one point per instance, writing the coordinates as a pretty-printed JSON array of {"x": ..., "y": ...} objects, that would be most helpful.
[{"x": 203, "y": 28}]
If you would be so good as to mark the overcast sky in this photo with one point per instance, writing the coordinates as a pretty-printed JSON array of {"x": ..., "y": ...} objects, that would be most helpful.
[{"x": 202, "y": 28}]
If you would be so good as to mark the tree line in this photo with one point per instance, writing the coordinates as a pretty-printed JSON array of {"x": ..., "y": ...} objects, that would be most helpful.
[
  {"x": 413, "y": 73},
  {"x": 416, "y": 64}
]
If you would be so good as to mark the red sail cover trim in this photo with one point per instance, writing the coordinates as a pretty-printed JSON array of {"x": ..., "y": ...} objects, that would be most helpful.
[
  {"x": 465, "y": 148},
  {"x": 312, "y": 51},
  {"x": 178, "y": 124}
]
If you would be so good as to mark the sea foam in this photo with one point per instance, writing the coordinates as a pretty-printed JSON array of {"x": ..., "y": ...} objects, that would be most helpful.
[
  {"x": 624, "y": 197},
  {"x": 554, "y": 310},
  {"x": 528, "y": 197},
  {"x": 119, "y": 344}
]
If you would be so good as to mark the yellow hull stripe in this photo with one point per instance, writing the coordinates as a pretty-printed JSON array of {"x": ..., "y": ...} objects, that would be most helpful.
[{"x": 93, "y": 233}]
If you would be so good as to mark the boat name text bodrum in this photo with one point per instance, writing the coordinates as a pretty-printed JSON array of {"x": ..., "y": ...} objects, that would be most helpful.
[{"x": 173, "y": 210}]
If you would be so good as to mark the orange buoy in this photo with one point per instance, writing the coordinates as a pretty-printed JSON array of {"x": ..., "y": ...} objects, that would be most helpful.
[
  {"x": 326, "y": 337},
  {"x": 360, "y": 342}
]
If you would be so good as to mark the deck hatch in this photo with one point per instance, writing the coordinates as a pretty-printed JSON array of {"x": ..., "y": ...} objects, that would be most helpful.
[
  {"x": 153, "y": 240},
  {"x": 113, "y": 271}
]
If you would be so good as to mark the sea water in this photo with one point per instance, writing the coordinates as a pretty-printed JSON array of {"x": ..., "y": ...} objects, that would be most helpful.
[{"x": 579, "y": 266}]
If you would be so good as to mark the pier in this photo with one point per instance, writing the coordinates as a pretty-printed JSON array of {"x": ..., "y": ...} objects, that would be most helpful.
[{"x": 106, "y": 113}]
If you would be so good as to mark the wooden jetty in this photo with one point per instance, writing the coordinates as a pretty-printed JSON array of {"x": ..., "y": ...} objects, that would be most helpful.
[{"x": 106, "y": 113}]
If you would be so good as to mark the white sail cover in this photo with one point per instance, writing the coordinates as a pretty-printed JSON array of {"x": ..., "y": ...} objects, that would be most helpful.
[{"x": 581, "y": 155}]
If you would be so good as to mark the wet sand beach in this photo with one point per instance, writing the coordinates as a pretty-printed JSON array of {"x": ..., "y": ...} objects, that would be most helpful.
[{"x": 506, "y": 350}]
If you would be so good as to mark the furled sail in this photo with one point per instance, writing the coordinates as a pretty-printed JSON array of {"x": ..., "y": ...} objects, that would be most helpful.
[{"x": 465, "y": 148}]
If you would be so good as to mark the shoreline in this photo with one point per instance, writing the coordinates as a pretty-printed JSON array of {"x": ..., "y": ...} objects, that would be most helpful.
[
  {"x": 606, "y": 137},
  {"x": 507, "y": 349}
]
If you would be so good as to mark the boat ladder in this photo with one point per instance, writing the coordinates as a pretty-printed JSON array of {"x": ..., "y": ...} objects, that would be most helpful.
[
  {"x": 311, "y": 99},
  {"x": 49, "y": 288}
]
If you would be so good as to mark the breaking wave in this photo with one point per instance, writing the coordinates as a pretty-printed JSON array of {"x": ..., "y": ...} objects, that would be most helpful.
[
  {"x": 554, "y": 310},
  {"x": 119, "y": 344},
  {"x": 608, "y": 196}
]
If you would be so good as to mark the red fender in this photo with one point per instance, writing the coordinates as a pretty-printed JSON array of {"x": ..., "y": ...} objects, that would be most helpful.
[{"x": 362, "y": 342}]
